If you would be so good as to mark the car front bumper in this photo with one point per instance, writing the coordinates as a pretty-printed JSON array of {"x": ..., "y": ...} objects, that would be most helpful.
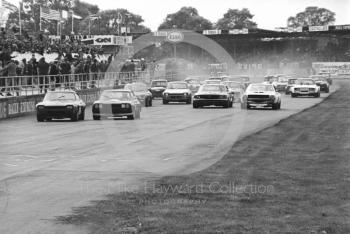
[
  {"x": 177, "y": 98},
  {"x": 58, "y": 113},
  {"x": 157, "y": 93},
  {"x": 210, "y": 102}
]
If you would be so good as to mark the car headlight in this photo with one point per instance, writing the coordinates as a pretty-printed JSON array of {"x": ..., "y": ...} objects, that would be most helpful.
[
  {"x": 97, "y": 105},
  {"x": 196, "y": 97},
  {"x": 40, "y": 107},
  {"x": 165, "y": 94},
  {"x": 69, "y": 107}
]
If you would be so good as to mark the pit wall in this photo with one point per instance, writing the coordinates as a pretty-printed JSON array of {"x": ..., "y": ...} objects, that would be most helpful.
[{"x": 19, "y": 106}]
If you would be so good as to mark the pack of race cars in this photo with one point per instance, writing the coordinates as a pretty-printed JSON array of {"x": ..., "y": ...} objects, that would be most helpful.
[{"x": 216, "y": 91}]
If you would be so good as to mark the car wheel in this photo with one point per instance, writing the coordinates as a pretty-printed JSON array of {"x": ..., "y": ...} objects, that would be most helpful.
[
  {"x": 279, "y": 105},
  {"x": 274, "y": 106},
  {"x": 293, "y": 95},
  {"x": 131, "y": 117},
  {"x": 226, "y": 105},
  {"x": 195, "y": 105},
  {"x": 188, "y": 101},
  {"x": 82, "y": 115},
  {"x": 75, "y": 116},
  {"x": 39, "y": 118},
  {"x": 150, "y": 102},
  {"x": 165, "y": 101},
  {"x": 96, "y": 117}
]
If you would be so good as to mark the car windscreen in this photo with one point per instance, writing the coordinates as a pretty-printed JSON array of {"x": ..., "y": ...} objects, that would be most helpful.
[
  {"x": 304, "y": 82},
  {"x": 136, "y": 87},
  {"x": 282, "y": 79},
  {"x": 213, "y": 88},
  {"x": 62, "y": 96},
  {"x": 260, "y": 88},
  {"x": 116, "y": 95},
  {"x": 292, "y": 81},
  {"x": 159, "y": 84},
  {"x": 177, "y": 86}
]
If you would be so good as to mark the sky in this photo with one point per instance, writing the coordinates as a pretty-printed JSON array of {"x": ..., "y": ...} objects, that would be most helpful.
[{"x": 267, "y": 14}]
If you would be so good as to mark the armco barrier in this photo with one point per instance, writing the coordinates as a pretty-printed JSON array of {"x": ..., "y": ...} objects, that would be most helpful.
[{"x": 18, "y": 106}]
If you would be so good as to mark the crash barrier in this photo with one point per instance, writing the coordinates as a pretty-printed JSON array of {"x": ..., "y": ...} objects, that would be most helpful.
[
  {"x": 21, "y": 105},
  {"x": 17, "y": 86}
]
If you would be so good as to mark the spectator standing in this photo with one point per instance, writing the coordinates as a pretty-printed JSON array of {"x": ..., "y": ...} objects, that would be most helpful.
[
  {"x": 65, "y": 71},
  {"x": 54, "y": 74},
  {"x": 43, "y": 71}
]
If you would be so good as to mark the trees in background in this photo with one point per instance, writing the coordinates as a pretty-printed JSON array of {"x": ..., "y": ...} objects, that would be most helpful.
[
  {"x": 186, "y": 18},
  {"x": 312, "y": 16},
  {"x": 236, "y": 19}
]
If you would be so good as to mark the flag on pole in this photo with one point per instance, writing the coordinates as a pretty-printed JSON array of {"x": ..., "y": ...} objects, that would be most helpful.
[
  {"x": 8, "y": 6},
  {"x": 94, "y": 17},
  {"x": 49, "y": 14},
  {"x": 76, "y": 16},
  {"x": 26, "y": 7}
]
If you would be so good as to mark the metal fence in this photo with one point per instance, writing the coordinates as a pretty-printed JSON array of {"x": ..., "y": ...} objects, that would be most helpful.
[{"x": 31, "y": 85}]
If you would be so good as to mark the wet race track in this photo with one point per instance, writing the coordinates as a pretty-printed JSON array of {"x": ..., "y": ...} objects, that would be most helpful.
[{"x": 48, "y": 168}]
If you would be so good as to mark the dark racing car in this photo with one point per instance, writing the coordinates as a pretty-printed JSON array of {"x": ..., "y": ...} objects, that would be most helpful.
[
  {"x": 116, "y": 103},
  {"x": 61, "y": 105},
  {"x": 141, "y": 92},
  {"x": 158, "y": 87},
  {"x": 322, "y": 83},
  {"x": 212, "y": 95}
]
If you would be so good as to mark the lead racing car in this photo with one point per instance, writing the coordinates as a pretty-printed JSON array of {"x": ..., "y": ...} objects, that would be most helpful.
[
  {"x": 305, "y": 87},
  {"x": 213, "y": 95},
  {"x": 116, "y": 103},
  {"x": 261, "y": 95},
  {"x": 61, "y": 105}
]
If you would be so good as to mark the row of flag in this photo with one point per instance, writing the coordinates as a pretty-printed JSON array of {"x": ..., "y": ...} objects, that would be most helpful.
[{"x": 45, "y": 13}]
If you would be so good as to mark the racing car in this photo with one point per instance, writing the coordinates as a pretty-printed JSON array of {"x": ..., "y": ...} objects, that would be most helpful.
[
  {"x": 322, "y": 82},
  {"x": 212, "y": 95},
  {"x": 280, "y": 83},
  {"x": 60, "y": 105},
  {"x": 177, "y": 91},
  {"x": 141, "y": 92},
  {"x": 305, "y": 87},
  {"x": 261, "y": 95},
  {"x": 193, "y": 83},
  {"x": 116, "y": 103},
  {"x": 158, "y": 87},
  {"x": 236, "y": 89},
  {"x": 290, "y": 83}
]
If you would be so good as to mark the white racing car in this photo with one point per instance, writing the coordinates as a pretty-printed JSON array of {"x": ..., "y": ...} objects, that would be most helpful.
[
  {"x": 261, "y": 95},
  {"x": 305, "y": 87}
]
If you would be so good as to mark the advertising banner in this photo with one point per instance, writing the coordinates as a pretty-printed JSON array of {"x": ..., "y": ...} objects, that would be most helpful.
[
  {"x": 238, "y": 31},
  {"x": 318, "y": 28},
  {"x": 334, "y": 68},
  {"x": 103, "y": 40}
]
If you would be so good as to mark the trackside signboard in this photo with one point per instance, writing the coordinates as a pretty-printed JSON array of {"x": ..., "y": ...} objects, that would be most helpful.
[
  {"x": 175, "y": 37},
  {"x": 334, "y": 68}
]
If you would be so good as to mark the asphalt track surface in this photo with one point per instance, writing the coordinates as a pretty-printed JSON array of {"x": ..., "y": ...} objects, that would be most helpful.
[{"x": 48, "y": 168}]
